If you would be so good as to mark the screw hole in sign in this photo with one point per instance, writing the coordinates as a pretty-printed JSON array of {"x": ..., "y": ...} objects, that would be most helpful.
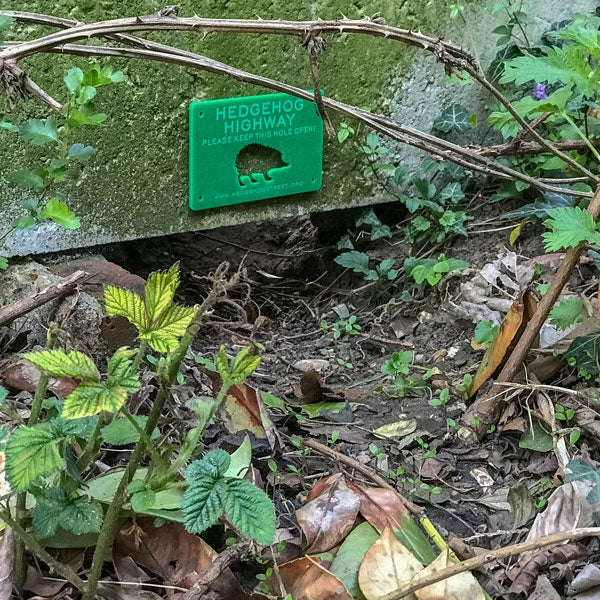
[{"x": 253, "y": 148}]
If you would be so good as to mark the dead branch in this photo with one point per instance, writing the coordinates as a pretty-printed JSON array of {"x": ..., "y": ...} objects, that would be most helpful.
[
  {"x": 455, "y": 59},
  {"x": 13, "y": 311}
]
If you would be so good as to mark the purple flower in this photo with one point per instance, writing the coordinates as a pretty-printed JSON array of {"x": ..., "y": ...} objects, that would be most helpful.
[{"x": 539, "y": 91}]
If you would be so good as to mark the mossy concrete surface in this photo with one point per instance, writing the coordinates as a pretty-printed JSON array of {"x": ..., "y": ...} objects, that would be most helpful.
[{"x": 136, "y": 184}]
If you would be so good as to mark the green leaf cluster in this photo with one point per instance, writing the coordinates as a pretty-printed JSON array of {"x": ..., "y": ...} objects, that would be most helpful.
[
  {"x": 359, "y": 263},
  {"x": 568, "y": 228},
  {"x": 431, "y": 271},
  {"x": 92, "y": 396},
  {"x": 211, "y": 494},
  {"x": 159, "y": 321},
  {"x": 236, "y": 371}
]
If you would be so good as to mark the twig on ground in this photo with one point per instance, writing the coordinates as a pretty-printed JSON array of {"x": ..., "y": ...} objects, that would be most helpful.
[
  {"x": 547, "y": 541},
  {"x": 230, "y": 555},
  {"x": 13, "y": 311}
]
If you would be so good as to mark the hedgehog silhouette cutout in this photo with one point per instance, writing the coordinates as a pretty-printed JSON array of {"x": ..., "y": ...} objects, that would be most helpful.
[{"x": 257, "y": 164}]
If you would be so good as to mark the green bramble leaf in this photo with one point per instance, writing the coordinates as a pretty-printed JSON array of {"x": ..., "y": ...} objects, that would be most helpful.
[
  {"x": 39, "y": 131},
  {"x": 164, "y": 335},
  {"x": 126, "y": 304},
  {"x": 90, "y": 399},
  {"x": 55, "y": 509},
  {"x": 243, "y": 365},
  {"x": 120, "y": 432},
  {"x": 121, "y": 372},
  {"x": 454, "y": 118},
  {"x": 160, "y": 292},
  {"x": 30, "y": 453},
  {"x": 80, "y": 152},
  {"x": 59, "y": 212},
  {"x": 568, "y": 228},
  {"x": 567, "y": 313},
  {"x": 58, "y": 363},
  {"x": 211, "y": 494}
]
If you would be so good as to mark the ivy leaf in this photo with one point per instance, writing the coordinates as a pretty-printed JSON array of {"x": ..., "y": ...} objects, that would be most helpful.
[
  {"x": 357, "y": 261},
  {"x": 160, "y": 291},
  {"x": 26, "y": 180},
  {"x": 540, "y": 208},
  {"x": 585, "y": 350},
  {"x": 73, "y": 79},
  {"x": 58, "y": 363},
  {"x": 126, "y": 304},
  {"x": 568, "y": 228},
  {"x": 59, "y": 212},
  {"x": 453, "y": 192},
  {"x": 30, "y": 453},
  {"x": 250, "y": 510},
  {"x": 566, "y": 313},
  {"x": 39, "y": 131},
  {"x": 454, "y": 118},
  {"x": 90, "y": 399},
  {"x": 580, "y": 470},
  {"x": 80, "y": 152},
  {"x": 55, "y": 509}
]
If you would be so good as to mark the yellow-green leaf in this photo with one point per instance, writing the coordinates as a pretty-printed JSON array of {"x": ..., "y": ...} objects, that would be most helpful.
[
  {"x": 126, "y": 304},
  {"x": 164, "y": 336},
  {"x": 58, "y": 363},
  {"x": 243, "y": 365},
  {"x": 120, "y": 371},
  {"x": 160, "y": 291},
  {"x": 88, "y": 400}
]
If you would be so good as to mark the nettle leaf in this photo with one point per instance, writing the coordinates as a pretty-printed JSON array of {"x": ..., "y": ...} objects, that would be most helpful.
[
  {"x": 59, "y": 212},
  {"x": 80, "y": 152},
  {"x": 30, "y": 453},
  {"x": 24, "y": 222},
  {"x": 357, "y": 261},
  {"x": 90, "y": 399},
  {"x": 26, "y": 180},
  {"x": 585, "y": 350},
  {"x": 73, "y": 79},
  {"x": 567, "y": 313},
  {"x": 485, "y": 332},
  {"x": 126, "y": 304},
  {"x": 568, "y": 228},
  {"x": 120, "y": 432},
  {"x": 39, "y": 131},
  {"x": 454, "y": 118},
  {"x": 55, "y": 509},
  {"x": 211, "y": 494},
  {"x": 58, "y": 363}
]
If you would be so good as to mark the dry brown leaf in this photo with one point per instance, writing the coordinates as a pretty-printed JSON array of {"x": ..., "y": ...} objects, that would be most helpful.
[
  {"x": 508, "y": 334},
  {"x": 23, "y": 375},
  {"x": 327, "y": 518},
  {"x": 459, "y": 587},
  {"x": 176, "y": 556},
  {"x": 387, "y": 567},
  {"x": 305, "y": 579},
  {"x": 6, "y": 564},
  {"x": 381, "y": 507}
]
